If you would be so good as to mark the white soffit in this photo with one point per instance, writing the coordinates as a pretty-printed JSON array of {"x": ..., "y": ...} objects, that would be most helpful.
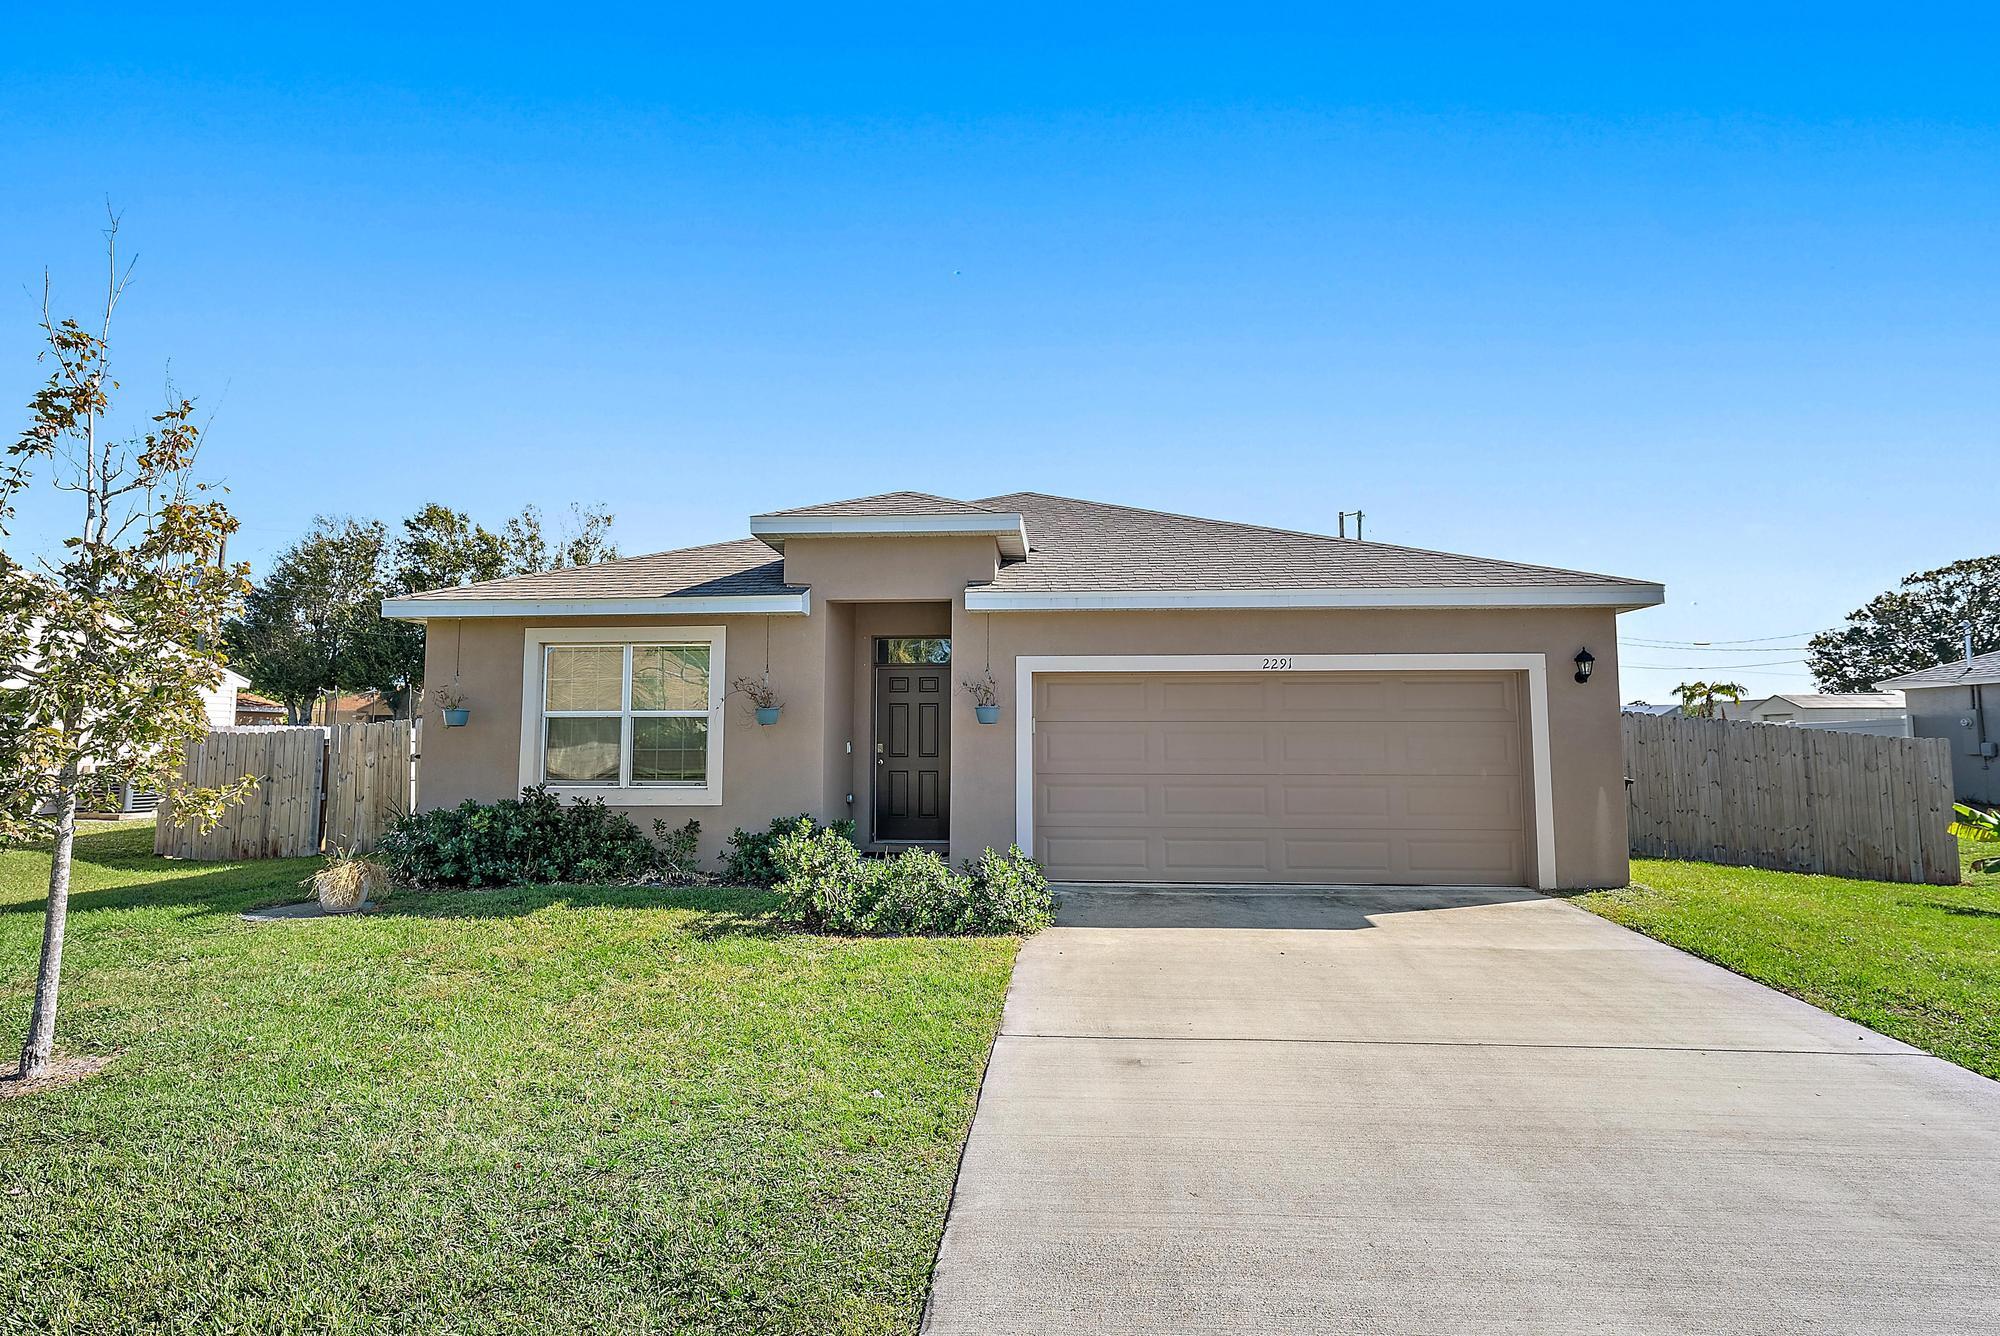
[
  {"x": 426, "y": 609},
  {"x": 1621, "y": 597}
]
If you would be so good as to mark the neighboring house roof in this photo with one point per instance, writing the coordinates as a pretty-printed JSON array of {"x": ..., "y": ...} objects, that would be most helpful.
[
  {"x": 1644, "y": 707},
  {"x": 250, "y": 704},
  {"x": 1057, "y": 552},
  {"x": 1981, "y": 670},
  {"x": 1853, "y": 700}
]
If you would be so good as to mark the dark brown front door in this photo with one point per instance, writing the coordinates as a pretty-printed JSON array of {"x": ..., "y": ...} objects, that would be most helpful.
[{"x": 912, "y": 751}]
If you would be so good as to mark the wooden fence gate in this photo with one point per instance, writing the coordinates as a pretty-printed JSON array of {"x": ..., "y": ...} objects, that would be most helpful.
[
  {"x": 1793, "y": 799},
  {"x": 335, "y": 789}
]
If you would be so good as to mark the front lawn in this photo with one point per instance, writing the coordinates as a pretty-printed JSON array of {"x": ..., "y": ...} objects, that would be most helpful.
[
  {"x": 569, "y": 1110},
  {"x": 1921, "y": 963}
]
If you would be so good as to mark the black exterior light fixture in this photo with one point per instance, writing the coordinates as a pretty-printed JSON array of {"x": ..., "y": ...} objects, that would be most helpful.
[{"x": 1585, "y": 660}]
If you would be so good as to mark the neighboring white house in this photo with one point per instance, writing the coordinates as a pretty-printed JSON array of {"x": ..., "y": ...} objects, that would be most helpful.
[
  {"x": 220, "y": 703},
  {"x": 1645, "y": 707},
  {"x": 1878, "y": 712}
]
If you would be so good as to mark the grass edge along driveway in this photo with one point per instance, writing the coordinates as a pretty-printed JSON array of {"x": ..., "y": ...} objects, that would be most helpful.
[
  {"x": 571, "y": 1109},
  {"x": 1919, "y": 963}
]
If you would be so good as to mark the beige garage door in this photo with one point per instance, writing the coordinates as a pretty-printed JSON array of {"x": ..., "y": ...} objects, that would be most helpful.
[{"x": 1393, "y": 778}]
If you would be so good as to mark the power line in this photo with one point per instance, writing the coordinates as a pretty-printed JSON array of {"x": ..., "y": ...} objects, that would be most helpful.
[{"x": 1711, "y": 667}]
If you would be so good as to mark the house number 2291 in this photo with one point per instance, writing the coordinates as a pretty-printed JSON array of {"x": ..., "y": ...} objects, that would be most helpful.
[{"x": 1284, "y": 662}]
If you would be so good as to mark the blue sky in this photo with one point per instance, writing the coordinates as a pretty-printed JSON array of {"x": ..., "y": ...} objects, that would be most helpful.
[{"x": 1705, "y": 297}]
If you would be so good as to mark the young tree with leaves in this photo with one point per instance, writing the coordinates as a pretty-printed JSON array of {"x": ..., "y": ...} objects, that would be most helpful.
[
  {"x": 105, "y": 649},
  {"x": 1920, "y": 624}
]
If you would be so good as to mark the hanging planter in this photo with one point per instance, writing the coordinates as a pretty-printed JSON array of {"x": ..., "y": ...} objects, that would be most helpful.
[
  {"x": 763, "y": 697},
  {"x": 985, "y": 693},
  {"x": 451, "y": 704}
]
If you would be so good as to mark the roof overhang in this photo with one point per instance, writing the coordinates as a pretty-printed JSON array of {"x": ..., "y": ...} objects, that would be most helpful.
[
  {"x": 1006, "y": 529},
  {"x": 1623, "y": 598},
  {"x": 698, "y": 605}
]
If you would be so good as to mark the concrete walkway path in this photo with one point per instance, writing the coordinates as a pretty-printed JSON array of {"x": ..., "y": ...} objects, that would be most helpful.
[{"x": 1449, "y": 1111}]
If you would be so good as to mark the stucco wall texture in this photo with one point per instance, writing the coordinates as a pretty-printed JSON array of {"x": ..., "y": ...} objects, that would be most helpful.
[{"x": 865, "y": 587}]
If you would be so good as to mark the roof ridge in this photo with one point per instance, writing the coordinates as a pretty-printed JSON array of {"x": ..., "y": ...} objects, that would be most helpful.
[
  {"x": 877, "y": 496},
  {"x": 1321, "y": 537}
]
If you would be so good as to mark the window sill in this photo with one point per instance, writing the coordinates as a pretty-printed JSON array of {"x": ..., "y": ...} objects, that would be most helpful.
[{"x": 615, "y": 796}]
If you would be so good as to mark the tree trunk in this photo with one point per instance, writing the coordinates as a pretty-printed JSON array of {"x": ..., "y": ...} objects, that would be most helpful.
[{"x": 35, "y": 1053}]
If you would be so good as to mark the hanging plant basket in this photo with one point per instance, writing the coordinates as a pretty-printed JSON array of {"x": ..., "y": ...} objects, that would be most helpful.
[
  {"x": 768, "y": 714},
  {"x": 988, "y": 714},
  {"x": 457, "y": 718}
]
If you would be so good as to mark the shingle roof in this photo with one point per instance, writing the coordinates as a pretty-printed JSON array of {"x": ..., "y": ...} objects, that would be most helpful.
[
  {"x": 1088, "y": 545},
  {"x": 1077, "y": 547},
  {"x": 1978, "y": 671},
  {"x": 890, "y": 503},
  {"x": 740, "y": 566},
  {"x": 1867, "y": 700}
]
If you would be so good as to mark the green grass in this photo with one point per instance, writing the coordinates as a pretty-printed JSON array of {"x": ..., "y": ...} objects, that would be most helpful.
[
  {"x": 567, "y": 1110},
  {"x": 1921, "y": 963}
]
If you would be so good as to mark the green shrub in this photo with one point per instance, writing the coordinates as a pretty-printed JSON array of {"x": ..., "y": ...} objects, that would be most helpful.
[
  {"x": 530, "y": 840},
  {"x": 678, "y": 857},
  {"x": 828, "y": 884},
  {"x": 747, "y": 859},
  {"x": 1009, "y": 893}
]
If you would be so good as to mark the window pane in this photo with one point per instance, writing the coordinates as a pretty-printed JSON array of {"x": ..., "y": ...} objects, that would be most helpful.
[
  {"x": 669, "y": 751},
  {"x": 670, "y": 677},
  {"x": 585, "y": 677},
  {"x": 582, "y": 751},
  {"x": 909, "y": 649}
]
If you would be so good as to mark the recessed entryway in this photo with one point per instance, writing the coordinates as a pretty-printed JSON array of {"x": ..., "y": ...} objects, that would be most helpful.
[{"x": 912, "y": 745}]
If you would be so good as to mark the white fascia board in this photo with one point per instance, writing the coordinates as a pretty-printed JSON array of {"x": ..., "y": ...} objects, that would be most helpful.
[
  {"x": 1621, "y": 597},
  {"x": 429, "y": 609},
  {"x": 1010, "y": 530}
]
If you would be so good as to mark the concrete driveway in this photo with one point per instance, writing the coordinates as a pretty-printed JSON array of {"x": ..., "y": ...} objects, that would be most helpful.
[{"x": 1449, "y": 1111}]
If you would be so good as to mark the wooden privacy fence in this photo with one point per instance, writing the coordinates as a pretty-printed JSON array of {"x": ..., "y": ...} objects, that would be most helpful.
[
  {"x": 1793, "y": 799},
  {"x": 317, "y": 788}
]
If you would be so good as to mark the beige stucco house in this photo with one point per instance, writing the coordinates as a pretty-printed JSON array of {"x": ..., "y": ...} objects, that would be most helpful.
[{"x": 1178, "y": 699}]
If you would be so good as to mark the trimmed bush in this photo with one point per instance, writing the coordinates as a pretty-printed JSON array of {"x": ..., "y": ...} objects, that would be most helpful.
[
  {"x": 828, "y": 884},
  {"x": 530, "y": 840},
  {"x": 748, "y": 861}
]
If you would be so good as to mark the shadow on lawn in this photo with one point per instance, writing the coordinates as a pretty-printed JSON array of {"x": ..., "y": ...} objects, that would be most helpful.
[{"x": 721, "y": 911}]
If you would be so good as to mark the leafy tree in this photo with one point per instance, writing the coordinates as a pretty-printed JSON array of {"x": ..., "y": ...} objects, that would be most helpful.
[
  {"x": 583, "y": 538},
  {"x": 315, "y": 623},
  {"x": 105, "y": 650},
  {"x": 1699, "y": 700},
  {"x": 441, "y": 547},
  {"x": 1919, "y": 624}
]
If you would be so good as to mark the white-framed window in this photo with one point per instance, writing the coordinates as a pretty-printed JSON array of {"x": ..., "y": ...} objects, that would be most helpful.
[{"x": 631, "y": 712}]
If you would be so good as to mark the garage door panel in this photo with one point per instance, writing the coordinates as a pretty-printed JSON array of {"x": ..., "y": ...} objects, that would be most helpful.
[{"x": 1337, "y": 777}]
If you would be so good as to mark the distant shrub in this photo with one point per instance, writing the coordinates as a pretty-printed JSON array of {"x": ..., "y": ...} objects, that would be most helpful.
[
  {"x": 827, "y": 883},
  {"x": 531, "y": 840},
  {"x": 747, "y": 858}
]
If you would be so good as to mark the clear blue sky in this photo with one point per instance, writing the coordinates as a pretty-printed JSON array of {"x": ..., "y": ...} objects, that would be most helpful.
[{"x": 1704, "y": 297}]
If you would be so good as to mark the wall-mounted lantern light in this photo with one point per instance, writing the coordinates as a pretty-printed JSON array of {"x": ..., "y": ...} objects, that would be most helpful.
[{"x": 1585, "y": 660}]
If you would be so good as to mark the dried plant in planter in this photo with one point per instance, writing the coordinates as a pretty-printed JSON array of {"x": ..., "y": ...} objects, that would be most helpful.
[
  {"x": 758, "y": 691},
  {"x": 983, "y": 690},
  {"x": 348, "y": 881},
  {"x": 448, "y": 698}
]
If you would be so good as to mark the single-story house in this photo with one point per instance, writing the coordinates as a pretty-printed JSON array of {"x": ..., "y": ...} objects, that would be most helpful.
[
  {"x": 253, "y": 711},
  {"x": 1877, "y": 712},
  {"x": 1960, "y": 702},
  {"x": 1646, "y": 707},
  {"x": 1172, "y": 699}
]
